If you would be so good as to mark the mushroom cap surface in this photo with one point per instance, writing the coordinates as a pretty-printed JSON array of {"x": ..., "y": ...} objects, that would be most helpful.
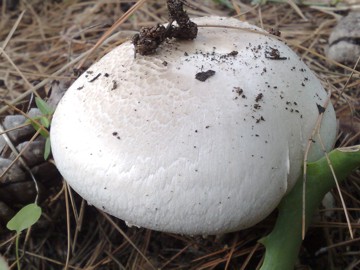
[{"x": 145, "y": 141}]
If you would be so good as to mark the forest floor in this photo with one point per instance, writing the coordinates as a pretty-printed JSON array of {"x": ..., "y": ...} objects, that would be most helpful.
[{"x": 42, "y": 41}]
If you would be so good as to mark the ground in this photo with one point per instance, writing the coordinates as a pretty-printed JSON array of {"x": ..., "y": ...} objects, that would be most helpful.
[{"x": 48, "y": 42}]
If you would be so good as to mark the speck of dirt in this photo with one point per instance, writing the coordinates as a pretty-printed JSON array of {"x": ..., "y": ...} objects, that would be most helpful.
[
  {"x": 321, "y": 109},
  {"x": 275, "y": 32},
  {"x": 106, "y": 75},
  {"x": 204, "y": 75},
  {"x": 95, "y": 78},
  {"x": 238, "y": 90},
  {"x": 81, "y": 87},
  {"x": 114, "y": 85},
  {"x": 257, "y": 106},
  {"x": 116, "y": 134},
  {"x": 273, "y": 54},
  {"x": 233, "y": 53},
  {"x": 259, "y": 97},
  {"x": 230, "y": 54},
  {"x": 165, "y": 63},
  {"x": 260, "y": 119}
]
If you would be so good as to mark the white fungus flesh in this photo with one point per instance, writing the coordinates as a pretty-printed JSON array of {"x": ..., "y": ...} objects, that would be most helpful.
[{"x": 203, "y": 137}]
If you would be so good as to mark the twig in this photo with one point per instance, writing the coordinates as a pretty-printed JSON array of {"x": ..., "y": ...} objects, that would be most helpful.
[
  {"x": 68, "y": 230},
  {"x": 337, "y": 187},
  {"x": 347, "y": 81},
  {"x": 121, "y": 20},
  {"x": 307, "y": 149},
  {"x": 12, "y": 31},
  {"x": 127, "y": 239}
]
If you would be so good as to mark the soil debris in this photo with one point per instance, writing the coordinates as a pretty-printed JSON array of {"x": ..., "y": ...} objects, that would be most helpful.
[
  {"x": 150, "y": 38},
  {"x": 203, "y": 76}
]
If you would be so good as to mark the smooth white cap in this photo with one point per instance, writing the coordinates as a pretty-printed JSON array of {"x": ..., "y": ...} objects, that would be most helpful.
[{"x": 143, "y": 140}]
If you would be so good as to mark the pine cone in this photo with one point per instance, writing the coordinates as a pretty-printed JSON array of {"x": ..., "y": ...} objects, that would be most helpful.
[{"x": 17, "y": 185}]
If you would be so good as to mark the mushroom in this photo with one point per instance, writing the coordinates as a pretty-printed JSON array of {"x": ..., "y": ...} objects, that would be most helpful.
[{"x": 204, "y": 137}]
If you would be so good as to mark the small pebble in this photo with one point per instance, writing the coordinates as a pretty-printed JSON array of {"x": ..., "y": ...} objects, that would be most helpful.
[
  {"x": 34, "y": 152},
  {"x": 344, "y": 40},
  {"x": 14, "y": 121},
  {"x": 13, "y": 174}
]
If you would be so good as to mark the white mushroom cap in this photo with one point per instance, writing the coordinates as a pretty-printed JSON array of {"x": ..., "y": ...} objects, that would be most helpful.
[{"x": 143, "y": 140}]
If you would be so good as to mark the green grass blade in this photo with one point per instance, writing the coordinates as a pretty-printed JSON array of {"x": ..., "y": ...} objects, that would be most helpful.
[
  {"x": 47, "y": 149},
  {"x": 44, "y": 108}
]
